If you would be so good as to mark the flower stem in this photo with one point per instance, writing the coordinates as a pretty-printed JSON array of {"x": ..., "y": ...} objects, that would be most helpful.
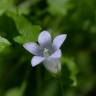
[{"x": 60, "y": 83}]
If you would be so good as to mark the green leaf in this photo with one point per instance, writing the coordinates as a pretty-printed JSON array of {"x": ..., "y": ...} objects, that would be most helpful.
[
  {"x": 59, "y": 7},
  {"x": 70, "y": 63},
  {"x": 3, "y": 43},
  {"x": 16, "y": 91},
  {"x": 24, "y": 8},
  {"x": 6, "y": 5},
  {"x": 22, "y": 39},
  {"x": 28, "y": 32},
  {"x": 10, "y": 6}
]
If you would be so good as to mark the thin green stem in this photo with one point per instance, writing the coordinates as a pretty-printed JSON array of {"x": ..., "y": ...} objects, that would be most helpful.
[{"x": 60, "y": 83}]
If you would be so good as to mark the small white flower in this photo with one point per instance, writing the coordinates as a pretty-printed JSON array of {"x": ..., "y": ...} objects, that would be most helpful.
[{"x": 47, "y": 51}]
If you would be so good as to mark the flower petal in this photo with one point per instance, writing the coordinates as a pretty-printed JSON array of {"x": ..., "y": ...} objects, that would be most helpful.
[
  {"x": 53, "y": 65},
  {"x": 56, "y": 54},
  {"x": 32, "y": 48},
  {"x": 37, "y": 60},
  {"x": 58, "y": 41},
  {"x": 44, "y": 38}
]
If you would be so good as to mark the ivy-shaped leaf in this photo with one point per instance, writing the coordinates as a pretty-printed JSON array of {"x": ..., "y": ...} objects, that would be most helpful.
[{"x": 28, "y": 32}]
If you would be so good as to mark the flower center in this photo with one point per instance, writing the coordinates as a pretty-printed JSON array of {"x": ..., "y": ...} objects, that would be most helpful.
[{"x": 46, "y": 52}]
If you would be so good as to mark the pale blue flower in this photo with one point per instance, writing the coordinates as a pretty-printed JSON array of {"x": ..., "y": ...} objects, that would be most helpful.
[{"x": 46, "y": 51}]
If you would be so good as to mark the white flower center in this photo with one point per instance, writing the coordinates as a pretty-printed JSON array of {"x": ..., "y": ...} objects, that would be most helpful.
[{"x": 46, "y": 52}]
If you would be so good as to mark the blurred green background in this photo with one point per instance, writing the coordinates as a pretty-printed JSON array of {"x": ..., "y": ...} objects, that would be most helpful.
[{"x": 21, "y": 21}]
